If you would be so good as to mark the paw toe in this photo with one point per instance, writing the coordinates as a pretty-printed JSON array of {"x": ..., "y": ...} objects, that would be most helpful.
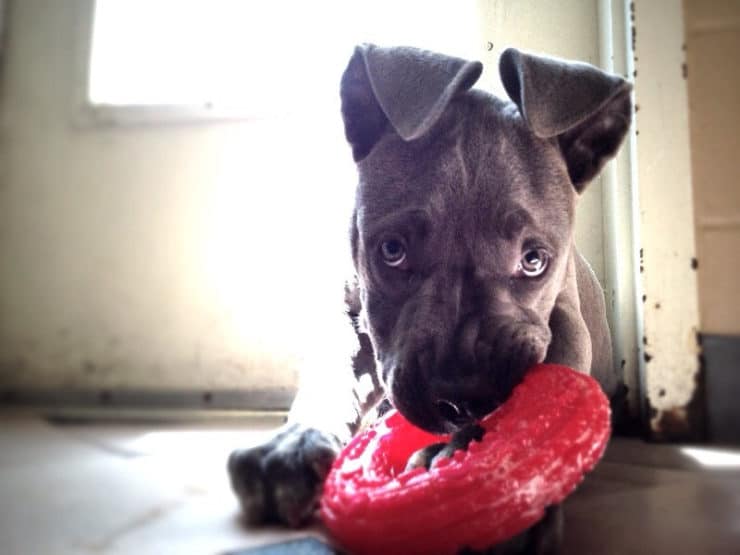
[
  {"x": 281, "y": 480},
  {"x": 247, "y": 481}
]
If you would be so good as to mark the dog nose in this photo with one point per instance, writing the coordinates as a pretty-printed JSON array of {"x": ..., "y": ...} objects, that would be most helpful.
[{"x": 454, "y": 413}]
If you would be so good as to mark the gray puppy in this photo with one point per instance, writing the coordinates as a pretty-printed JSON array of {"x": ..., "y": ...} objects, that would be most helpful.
[{"x": 462, "y": 241}]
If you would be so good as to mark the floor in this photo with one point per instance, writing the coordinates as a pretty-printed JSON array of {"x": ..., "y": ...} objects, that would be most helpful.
[{"x": 141, "y": 488}]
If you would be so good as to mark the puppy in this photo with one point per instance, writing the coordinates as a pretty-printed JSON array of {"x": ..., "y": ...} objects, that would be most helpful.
[{"x": 462, "y": 240}]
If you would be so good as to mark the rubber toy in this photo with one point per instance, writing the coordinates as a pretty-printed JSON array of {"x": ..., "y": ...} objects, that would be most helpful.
[{"x": 534, "y": 452}]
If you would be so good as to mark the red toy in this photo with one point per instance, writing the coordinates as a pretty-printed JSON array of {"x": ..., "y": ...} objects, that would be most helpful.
[{"x": 537, "y": 446}]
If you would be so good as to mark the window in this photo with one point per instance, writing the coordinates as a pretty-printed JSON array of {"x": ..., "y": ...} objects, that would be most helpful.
[{"x": 225, "y": 58}]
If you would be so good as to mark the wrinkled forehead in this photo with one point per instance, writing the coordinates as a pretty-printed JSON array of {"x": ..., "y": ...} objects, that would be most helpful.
[
  {"x": 398, "y": 175},
  {"x": 482, "y": 167}
]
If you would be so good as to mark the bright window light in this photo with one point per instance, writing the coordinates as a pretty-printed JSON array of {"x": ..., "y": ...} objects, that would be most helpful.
[
  {"x": 260, "y": 56},
  {"x": 713, "y": 458},
  {"x": 268, "y": 199}
]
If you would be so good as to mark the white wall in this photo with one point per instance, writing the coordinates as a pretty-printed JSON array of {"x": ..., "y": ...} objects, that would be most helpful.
[
  {"x": 157, "y": 256},
  {"x": 151, "y": 256},
  {"x": 672, "y": 374}
]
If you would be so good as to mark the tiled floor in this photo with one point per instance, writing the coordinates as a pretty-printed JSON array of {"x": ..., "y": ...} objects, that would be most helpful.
[{"x": 140, "y": 489}]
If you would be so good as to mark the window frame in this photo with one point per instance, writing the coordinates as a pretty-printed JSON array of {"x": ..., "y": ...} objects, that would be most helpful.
[{"x": 91, "y": 114}]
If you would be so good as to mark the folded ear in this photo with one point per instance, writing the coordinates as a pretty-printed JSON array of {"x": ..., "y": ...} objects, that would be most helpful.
[
  {"x": 406, "y": 87},
  {"x": 585, "y": 108}
]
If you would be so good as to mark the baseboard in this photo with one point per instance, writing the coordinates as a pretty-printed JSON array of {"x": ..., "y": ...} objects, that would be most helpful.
[{"x": 253, "y": 400}]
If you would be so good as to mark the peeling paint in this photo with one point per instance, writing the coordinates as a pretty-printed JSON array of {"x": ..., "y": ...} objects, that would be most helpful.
[
  {"x": 693, "y": 343},
  {"x": 682, "y": 423},
  {"x": 670, "y": 423},
  {"x": 664, "y": 174}
]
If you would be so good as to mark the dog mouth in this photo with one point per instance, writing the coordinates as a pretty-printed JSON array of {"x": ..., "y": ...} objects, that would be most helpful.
[
  {"x": 458, "y": 414},
  {"x": 446, "y": 414},
  {"x": 444, "y": 407},
  {"x": 463, "y": 413},
  {"x": 444, "y": 393}
]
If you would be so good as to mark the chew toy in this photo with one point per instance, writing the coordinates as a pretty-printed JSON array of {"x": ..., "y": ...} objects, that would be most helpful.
[{"x": 536, "y": 449}]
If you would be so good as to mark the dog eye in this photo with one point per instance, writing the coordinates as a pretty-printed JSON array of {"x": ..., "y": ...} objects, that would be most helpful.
[
  {"x": 393, "y": 252},
  {"x": 533, "y": 263}
]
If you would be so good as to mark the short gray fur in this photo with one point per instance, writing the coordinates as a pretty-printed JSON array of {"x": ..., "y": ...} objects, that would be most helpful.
[{"x": 457, "y": 189}]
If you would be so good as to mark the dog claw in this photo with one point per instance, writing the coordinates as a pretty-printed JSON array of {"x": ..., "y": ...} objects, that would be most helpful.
[
  {"x": 429, "y": 456},
  {"x": 423, "y": 458}
]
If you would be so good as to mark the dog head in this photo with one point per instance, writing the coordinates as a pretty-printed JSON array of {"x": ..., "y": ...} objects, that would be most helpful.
[{"x": 462, "y": 233}]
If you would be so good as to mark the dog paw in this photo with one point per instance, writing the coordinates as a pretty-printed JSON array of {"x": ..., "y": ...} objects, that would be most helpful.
[{"x": 281, "y": 481}]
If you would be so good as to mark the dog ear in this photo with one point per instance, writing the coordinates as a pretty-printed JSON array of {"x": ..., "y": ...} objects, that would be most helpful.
[
  {"x": 585, "y": 108},
  {"x": 406, "y": 87}
]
